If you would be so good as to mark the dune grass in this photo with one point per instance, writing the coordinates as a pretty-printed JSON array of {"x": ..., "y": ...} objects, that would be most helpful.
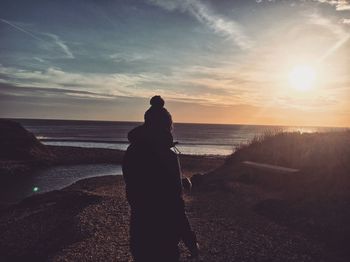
[
  {"x": 308, "y": 150},
  {"x": 322, "y": 158}
]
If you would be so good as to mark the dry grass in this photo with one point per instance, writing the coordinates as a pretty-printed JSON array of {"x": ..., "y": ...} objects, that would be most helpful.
[
  {"x": 330, "y": 150},
  {"x": 323, "y": 158}
]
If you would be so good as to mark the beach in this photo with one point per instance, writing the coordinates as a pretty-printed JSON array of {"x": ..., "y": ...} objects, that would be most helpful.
[
  {"x": 89, "y": 220},
  {"x": 238, "y": 213}
]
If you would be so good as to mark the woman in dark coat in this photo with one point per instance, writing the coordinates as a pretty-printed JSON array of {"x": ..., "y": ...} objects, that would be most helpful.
[{"x": 154, "y": 190}]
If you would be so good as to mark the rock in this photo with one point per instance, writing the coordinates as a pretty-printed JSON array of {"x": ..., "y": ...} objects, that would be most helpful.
[{"x": 16, "y": 143}]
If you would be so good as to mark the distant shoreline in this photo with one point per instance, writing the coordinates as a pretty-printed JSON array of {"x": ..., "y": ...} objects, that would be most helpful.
[
  {"x": 184, "y": 123},
  {"x": 119, "y": 142},
  {"x": 82, "y": 140}
]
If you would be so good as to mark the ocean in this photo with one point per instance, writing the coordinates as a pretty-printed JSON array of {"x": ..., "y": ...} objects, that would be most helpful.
[{"x": 198, "y": 139}]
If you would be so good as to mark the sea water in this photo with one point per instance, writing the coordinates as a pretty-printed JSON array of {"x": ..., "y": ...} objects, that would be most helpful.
[{"x": 197, "y": 139}]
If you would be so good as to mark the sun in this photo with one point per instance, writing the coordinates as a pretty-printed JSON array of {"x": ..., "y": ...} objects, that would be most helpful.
[{"x": 302, "y": 77}]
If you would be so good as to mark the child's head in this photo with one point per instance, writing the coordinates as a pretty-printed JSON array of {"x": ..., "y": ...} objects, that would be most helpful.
[{"x": 157, "y": 116}]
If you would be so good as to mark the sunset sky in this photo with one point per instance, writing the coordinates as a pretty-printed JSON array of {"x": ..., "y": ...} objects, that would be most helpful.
[{"x": 243, "y": 61}]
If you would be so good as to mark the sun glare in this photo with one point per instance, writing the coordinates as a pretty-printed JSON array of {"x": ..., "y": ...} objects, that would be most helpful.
[{"x": 302, "y": 77}]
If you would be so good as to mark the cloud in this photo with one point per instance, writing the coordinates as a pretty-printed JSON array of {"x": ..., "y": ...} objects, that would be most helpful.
[
  {"x": 56, "y": 40},
  {"x": 170, "y": 5},
  {"x": 13, "y": 90},
  {"x": 184, "y": 84},
  {"x": 317, "y": 103},
  {"x": 109, "y": 84},
  {"x": 340, "y": 5},
  {"x": 128, "y": 57},
  {"x": 21, "y": 29},
  {"x": 128, "y": 85},
  {"x": 61, "y": 44},
  {"x": 219, "y": 24},
  {"x": 342, "y": 35},
  {"x": 328, "y": 24},
  {"x": 39, "y": 59}
]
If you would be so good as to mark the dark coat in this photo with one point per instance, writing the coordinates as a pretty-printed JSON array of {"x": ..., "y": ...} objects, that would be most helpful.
[{"x": 154, "y": 191}]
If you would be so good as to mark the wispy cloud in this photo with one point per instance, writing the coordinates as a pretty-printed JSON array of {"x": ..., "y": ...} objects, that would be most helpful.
[
  {"x": 39, "y": 59},
  {"x": 182, "y": 85},
  {"x": 340, "y": 5},
  {"x": 316, "y": 103},
  {"x": 336, "y": 46},
  {"x": 219, "y": 24},
  {"x": 61, "y": 44},
  {"x": 328, "y": 24},
  {"x": 128, "y": 57},
  {"x": 56, "y": 39},
  {"x": 342, "y": 35},
  {"x": 14, "y": 25},
  {"x": 14, "y": 90}
]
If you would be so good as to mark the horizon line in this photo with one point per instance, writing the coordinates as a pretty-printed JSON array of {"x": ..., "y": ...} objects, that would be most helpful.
[{"x": 197, "y": 123}]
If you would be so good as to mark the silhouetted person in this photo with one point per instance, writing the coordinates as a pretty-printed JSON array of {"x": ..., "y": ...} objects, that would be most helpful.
[{"x": 154, "y": 190}]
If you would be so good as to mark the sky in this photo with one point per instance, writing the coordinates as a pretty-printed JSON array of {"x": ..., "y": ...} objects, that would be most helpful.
[{"x": 268, "y": 62}]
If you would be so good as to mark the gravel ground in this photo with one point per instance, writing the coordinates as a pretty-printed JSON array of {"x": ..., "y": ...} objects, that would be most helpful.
[{"x": 88, "y": 221}]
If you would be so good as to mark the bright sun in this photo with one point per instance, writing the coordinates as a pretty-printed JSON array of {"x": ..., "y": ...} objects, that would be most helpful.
[{"x": 302, "y": 77}]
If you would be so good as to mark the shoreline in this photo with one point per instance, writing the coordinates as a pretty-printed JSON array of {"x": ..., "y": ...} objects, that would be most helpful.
[
  {"x": 17, "y": 172},
  {"x": 70, "y": 155}
]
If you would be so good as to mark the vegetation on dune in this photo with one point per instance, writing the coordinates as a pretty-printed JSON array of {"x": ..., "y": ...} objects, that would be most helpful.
[
  {"x": 315, "y": 200},
  {"x": 322, "y": 158},
  {"x": 327, "y": 151}
]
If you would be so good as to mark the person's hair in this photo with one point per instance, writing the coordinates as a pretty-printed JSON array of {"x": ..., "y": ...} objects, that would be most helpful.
[{"x": 157, "y": 116}]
